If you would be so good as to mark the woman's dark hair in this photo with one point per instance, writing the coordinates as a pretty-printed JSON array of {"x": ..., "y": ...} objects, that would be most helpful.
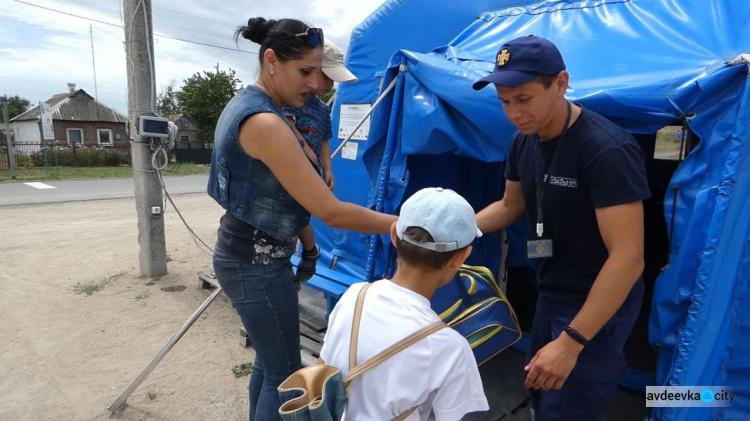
[
  {"x": 275, "y": 33},
  {"x": 419, "y": 256}
]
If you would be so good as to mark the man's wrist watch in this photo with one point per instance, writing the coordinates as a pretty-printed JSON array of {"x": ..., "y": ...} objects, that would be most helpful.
[{"x": 576, "y": 335}]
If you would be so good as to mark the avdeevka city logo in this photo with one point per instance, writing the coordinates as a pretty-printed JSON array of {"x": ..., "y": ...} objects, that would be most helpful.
[{"x": 689, "y": 396}]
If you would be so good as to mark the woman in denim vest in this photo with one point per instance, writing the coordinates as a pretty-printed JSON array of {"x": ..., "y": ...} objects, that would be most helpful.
[{"x": 261, "y": 173}]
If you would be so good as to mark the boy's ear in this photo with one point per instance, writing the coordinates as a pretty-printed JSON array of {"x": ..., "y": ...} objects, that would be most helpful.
[
  {"x": 393, "y": 234},
  {"x": 460, "y": 258}
]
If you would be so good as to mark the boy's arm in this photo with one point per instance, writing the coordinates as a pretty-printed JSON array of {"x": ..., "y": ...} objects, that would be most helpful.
[
  {"x": 307, "y": 238},
  {"x": 325, "y": 158},
  {"x": 310, "y": 253}
]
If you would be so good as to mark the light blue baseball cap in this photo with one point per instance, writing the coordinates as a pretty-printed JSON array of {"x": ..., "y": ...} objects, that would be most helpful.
[{"x": 443, "y": 213}]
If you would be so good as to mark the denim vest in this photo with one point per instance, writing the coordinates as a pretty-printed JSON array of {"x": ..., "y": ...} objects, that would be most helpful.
[{"x": 245, "y": 186}]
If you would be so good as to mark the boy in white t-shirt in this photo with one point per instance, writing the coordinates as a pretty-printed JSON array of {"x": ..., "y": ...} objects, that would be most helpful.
[{"x": 438, "y": 374}]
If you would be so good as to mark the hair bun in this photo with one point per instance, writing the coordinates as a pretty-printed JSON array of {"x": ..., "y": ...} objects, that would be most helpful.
[{"x": 257, "y": 29}]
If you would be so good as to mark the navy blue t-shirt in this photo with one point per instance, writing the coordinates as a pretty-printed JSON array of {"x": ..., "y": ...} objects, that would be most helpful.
[{"x": 600, "y": 165}]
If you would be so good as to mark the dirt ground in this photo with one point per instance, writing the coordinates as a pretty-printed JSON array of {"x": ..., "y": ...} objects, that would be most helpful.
[{"x": 66, "y": 355}]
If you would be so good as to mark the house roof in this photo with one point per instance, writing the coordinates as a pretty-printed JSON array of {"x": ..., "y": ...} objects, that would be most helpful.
[
  {"x": 174, "y": 118},
  {"x": 75, "y": 106}
]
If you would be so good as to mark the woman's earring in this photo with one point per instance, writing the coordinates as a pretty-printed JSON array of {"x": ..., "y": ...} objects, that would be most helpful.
[{"x": 273, "y": 72}]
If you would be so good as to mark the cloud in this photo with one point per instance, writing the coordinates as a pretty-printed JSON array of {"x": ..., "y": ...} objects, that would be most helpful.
[{"x": 43, "y": 50}]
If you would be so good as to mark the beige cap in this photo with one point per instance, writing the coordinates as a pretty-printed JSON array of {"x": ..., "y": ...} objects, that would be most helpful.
[{"x": 333, "y": 63}]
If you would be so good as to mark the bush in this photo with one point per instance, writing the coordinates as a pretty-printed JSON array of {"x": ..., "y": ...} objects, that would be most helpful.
[
  {"x": 85, "y": 157},
  {"x": 22, "y": 161},
  {"x": 90, "y": 158},
  {"x": 116, "y": 157}
]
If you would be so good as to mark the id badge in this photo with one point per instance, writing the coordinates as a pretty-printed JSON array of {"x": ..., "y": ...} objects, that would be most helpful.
[{"x": 539, "y": 247}]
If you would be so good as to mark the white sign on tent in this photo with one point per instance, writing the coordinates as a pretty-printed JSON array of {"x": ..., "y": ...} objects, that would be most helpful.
[{"x": 351, "y": 115}]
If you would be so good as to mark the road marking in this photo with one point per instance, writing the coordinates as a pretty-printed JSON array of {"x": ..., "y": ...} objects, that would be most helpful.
[{"x": 40, "y": 186}]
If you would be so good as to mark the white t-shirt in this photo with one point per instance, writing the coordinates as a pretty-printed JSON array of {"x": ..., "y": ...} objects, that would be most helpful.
[{"x": 438, "y": 373}]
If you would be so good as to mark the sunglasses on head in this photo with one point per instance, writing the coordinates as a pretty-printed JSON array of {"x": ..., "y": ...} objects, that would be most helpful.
[{"x": 314, "y": 37}]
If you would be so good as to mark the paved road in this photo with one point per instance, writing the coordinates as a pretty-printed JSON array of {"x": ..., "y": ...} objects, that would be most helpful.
[{"x": 19, "y": 193}]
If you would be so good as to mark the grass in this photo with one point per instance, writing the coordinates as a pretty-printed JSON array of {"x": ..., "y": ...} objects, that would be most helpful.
[
  {"x": 91, "y": 287},
  {"x": 243, "y": 369},
  {"x": 68, "y": 173}
]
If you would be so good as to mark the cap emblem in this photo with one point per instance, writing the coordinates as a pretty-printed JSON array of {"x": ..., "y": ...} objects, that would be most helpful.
[{"x": 503, "y": 56}]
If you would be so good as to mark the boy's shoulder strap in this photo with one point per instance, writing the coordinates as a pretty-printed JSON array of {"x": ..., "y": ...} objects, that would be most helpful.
[
  {"x": 355, "y": 325},
  {"x": 394, "y": 349}
]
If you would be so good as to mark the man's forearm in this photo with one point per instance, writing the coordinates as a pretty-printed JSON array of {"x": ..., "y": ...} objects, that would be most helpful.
[
  {"x": 610, "y": 289},
  {"x": 497, "y": 216}
]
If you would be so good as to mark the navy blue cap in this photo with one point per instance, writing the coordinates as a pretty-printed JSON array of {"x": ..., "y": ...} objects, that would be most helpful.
[{"x": 521, "y": 60}]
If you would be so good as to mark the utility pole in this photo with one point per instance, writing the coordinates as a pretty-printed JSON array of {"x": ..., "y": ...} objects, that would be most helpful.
[
  {"x": 11, "y": 151},
  {"x": 139, "y": 48}
]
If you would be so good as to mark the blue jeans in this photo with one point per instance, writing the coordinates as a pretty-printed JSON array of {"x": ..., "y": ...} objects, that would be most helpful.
[
  {"x": 592, "y": 384},
  {"x": 266, "y": 301}
]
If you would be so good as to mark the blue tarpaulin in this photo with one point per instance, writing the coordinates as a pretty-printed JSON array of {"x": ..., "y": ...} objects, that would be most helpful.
[{"x": 644, "y": 64}]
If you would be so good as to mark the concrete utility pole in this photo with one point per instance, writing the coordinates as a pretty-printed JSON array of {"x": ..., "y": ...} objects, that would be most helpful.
[
  {"x": 149, "y": 201},
  {"x": 11, "y": 151}
]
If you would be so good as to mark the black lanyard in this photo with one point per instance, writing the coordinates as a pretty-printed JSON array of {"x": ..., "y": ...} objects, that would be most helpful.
[{"x": 541, "y": 183}]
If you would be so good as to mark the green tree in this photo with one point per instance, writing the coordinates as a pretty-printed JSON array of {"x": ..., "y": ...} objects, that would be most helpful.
[
  {"x": 16, "y": 105},
  {"x": 204, "y": 96},
  {"x": 167, "y": 100}
]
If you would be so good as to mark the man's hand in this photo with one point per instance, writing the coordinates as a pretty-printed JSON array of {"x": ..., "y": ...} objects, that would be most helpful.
[{"x": 552, "y": 364}]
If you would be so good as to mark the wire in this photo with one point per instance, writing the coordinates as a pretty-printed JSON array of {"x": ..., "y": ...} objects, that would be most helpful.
[
  {"x": 196, "y": 238},
  {"x": 121, "y": 26},
  {"x": 207, "y": 45},
  {"x": 161, "y": 150},
  {"x": 66, "y": 13}
]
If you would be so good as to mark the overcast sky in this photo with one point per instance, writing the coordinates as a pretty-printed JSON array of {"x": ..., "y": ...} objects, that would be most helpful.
[{"x": 42, "y": 50}]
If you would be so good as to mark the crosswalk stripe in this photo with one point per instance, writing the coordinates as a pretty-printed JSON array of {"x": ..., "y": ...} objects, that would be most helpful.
[{"x": 40, "y": 186}]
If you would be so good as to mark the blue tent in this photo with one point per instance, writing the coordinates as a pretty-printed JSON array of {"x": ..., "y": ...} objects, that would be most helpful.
[{"x": 645, "y": 64}]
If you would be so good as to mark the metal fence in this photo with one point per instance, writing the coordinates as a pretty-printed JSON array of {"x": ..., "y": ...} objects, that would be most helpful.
[
  {"x": 61, "y": 154},
  {"x": 190, "y": 154}
]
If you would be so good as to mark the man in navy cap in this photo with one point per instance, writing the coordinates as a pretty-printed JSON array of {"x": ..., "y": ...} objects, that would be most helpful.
[{"x": 580, "y": 180}]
